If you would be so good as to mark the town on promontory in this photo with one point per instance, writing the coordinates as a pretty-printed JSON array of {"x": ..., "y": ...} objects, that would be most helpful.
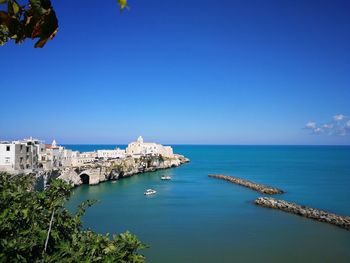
[{"x": 47, "y": 161}]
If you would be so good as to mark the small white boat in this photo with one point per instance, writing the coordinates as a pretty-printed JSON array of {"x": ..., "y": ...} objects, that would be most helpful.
[
  {"x": 166, "y": 177},
  {"x": 150, "y": 192}
]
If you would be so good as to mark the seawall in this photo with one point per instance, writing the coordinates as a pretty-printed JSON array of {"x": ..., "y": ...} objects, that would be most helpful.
[
  {"x": 254, "y": 186},
  {"x": 308, "y": 212}
]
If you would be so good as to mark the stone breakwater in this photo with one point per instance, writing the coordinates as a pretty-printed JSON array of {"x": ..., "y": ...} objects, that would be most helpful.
[
  {"x": 95, "y": 173},
  {"x": 316, "y": 214},
  {"x": 254, "y": 186}
]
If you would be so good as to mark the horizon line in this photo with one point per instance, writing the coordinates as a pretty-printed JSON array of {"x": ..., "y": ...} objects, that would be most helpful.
[{"x": 200, "y": 144}]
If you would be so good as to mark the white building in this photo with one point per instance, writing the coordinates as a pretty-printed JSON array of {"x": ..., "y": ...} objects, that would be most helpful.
[
  {"x": 83, "y": 158},
  {"x": 111, "y": 154},
  {"x": 57, "y": 156},
  {"x": 32, "y": 154},
  {"x": 20, "y": 156},
  {"x": 88, "y": 154},
  {"x": 140, "y": 148}
]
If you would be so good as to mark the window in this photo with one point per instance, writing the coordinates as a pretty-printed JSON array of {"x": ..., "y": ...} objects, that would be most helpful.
[
  {"x": 27, "y": 149},
  {"x": 8, "y": 148}
]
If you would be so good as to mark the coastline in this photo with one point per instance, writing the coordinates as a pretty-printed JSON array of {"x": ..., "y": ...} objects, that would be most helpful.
[{"x": 109, "y": 170}]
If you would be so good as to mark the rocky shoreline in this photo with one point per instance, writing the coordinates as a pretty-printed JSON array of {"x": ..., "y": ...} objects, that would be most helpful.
[
  {"x": 308, "y": 212},
  {"x": 254, "y": 186},
  {"x": 95, "y": 173}
]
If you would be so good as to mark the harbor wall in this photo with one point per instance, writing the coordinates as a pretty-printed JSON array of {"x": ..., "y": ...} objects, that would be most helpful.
[
  {"x": 308, "y": 212},
  {"x": 254, "y": 186}
]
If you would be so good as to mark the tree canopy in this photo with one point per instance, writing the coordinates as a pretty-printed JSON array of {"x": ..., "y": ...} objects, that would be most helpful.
[
  {"x": 35, "y": 19},
  {"x": 36, "y": 227}
]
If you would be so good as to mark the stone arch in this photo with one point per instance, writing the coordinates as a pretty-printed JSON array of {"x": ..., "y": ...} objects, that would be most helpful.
[
  {"x": 149, "y": 163},
  {"x": 85, "y": 178}
]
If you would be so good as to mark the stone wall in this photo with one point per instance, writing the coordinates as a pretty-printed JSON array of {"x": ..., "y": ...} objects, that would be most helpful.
[
  {"x": 316, "y": 214},
  {"x": 254, "y": 186},
  {"x": 43, "y": 178}
]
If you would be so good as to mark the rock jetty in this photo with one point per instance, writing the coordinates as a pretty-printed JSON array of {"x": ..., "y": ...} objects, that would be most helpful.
[
  {"x": 315, "y": 214},
  {"x": 254, "y": 186}
]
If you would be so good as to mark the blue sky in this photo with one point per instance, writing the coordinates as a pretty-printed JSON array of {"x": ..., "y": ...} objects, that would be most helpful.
[{"x": 183, "y": 72}]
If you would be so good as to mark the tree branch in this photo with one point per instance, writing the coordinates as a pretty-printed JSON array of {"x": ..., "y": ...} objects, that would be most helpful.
[{"x": 48, "y": 232}]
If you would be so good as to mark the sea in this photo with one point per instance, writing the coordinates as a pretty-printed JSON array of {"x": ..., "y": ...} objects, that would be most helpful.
[{"x": 194, "y": 218}]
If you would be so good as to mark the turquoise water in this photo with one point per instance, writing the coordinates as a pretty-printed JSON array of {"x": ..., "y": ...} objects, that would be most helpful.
[{"x": 194, "y": 218}]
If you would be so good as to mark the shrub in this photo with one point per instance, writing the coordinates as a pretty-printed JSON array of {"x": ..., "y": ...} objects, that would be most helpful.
[{"x": 35, "y": 226}]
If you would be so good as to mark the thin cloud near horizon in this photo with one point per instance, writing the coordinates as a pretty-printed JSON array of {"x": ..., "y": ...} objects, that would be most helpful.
[{"x": 338, "y": 126}]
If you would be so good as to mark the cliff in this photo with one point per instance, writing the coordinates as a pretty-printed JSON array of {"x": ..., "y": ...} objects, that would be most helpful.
[{"x": 95, "y": 173}]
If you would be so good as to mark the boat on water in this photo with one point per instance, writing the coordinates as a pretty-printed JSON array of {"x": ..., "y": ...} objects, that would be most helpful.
[
  {"x": 166, "y": 177},
  {"x": 150, "y": 192}
]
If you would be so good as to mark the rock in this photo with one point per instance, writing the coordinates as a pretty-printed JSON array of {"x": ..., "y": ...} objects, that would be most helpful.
[
  {"x": 254, "y": 186},
  {"x": 94, "y": 173},
  {"x": 308, "y": 212},
  {"x": 70, "y": 176}
]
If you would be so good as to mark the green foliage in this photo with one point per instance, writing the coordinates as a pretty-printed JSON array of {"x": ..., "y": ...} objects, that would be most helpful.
[
  {"x": 36, "y": 19},
  {"x": 25, "y": 219},
  {"x": 123, "y": 4}
]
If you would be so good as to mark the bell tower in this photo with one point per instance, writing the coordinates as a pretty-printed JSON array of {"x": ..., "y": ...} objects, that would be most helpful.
[{"x": 140, "y": 139}]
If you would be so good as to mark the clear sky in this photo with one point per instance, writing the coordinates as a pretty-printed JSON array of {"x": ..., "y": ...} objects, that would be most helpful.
[{"x": 184, "y": 72}]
